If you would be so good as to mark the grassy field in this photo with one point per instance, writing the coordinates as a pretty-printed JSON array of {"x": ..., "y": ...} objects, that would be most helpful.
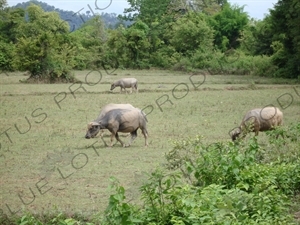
[{"x": 46, "y": 164}]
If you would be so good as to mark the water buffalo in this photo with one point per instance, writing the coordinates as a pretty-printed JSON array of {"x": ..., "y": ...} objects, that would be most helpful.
[
  {"x": 125, "y": 83},
  {"x": 260, "y": 119},
  {"x": 120, "y": 120},
  {"x": 107, "y": 108}
]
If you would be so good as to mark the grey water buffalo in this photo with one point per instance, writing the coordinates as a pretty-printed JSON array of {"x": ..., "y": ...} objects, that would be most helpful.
[
  {"x": 107, "y": 108},
  {"x": 120, "y": 120},
  {"x": 125, "y": 83},
  {"x": 259, "y": 119}
]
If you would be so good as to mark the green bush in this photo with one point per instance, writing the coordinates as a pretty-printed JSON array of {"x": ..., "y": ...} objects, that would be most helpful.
[
  {"x": 60, "y": 219},
  {"x": 232, "y": 62},
  {"x": 220, "y": 183},
  {"x": 6, "y": 50},
  {"x": 184, "y": 64},
  {"x": 218, "y": 163},
  {"x": 164, "y": 57},
  {"x": 263, "y": 66},
  {"x": 284, "y": 144},
  {"x": 118, "y": 211}
]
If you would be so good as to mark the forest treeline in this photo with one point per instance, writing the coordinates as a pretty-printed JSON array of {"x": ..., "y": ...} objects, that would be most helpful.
[{"x": 210, "y": 35}]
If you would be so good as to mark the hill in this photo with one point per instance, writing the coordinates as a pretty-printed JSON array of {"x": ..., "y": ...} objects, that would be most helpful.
[{"x": 75, "y": 19}]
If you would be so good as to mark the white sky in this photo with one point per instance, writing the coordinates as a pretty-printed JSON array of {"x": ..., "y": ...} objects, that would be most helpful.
[{"x": 255, "y": 8}]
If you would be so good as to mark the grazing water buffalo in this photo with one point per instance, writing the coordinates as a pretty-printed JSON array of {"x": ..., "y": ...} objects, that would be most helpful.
[
  {"x": 125, "y": 83},
  {"x": 120, "y": 120},
  {"x": 107, "y": 108},
  {"x": 260, "y": 119}
]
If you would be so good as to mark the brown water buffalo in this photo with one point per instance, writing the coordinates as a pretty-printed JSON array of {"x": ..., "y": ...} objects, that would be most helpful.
[
  {"x": 259, "y": 119},
  {"x": 125, "y": 83},
  {"x": 120, "y": 120}
]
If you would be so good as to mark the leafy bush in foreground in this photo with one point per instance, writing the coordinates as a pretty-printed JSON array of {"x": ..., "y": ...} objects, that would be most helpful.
[{"x": 221, "y": 183}]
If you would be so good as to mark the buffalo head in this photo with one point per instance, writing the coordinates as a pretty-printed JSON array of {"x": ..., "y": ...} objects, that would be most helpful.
[
  {"x": 235, "y": 134},
  {"x": 112, "y": 87},
  {"x": 92, "y": 130}
]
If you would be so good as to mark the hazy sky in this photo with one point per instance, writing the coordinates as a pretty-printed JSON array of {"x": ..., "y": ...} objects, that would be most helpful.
[{"x": 255, "y": 8}]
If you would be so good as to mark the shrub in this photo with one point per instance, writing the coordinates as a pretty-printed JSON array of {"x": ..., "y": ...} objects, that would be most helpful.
[
  {"x": 118, "y": 211},
  {"x": 184, "y": 64},
  {"x": 232, "y": 62},
  {"x": 220, "y": 183},
  {"x": 6, "y": 56},
  {"x": 263, "y": 66},
  {"x": 165, "y": 57}
]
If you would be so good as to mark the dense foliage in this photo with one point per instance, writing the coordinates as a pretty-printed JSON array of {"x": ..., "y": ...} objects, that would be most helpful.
[
  {"x": 44, "y": 47},
  {"x": 203, "y": 35},
  {"x": 286, "y": 32}
]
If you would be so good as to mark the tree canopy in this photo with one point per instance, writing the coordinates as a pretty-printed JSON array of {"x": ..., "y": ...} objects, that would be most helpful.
[
  {"x": 211, "y": 35},
  {"x": 43, "y": 46},
  {"x": 285, "y": 26}
]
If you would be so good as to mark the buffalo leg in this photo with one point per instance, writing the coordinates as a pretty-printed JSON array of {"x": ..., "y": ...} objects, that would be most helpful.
[
  {"x": 117, "y": 137},
  {"x": 145, "y": 133},
  {"x": 122, "y": 88},
  {"x": 102, "y": 138},
  {"x": 133, "y": 136},
  {"x": 112, "y": 136},
  {"x": 134, "y": 87}
]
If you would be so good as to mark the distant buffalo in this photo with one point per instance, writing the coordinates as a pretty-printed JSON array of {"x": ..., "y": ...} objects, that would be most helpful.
[
  {"x": 122, "y": 119},
  {"x": 260, "y": 119},
  {"x": 125, "y": 83}
]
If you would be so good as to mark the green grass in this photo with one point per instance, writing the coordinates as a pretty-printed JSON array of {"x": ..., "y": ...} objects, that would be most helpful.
[{"x": 53, "y": 146}]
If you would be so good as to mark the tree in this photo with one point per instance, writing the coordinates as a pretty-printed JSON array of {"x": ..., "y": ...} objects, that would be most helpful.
[
  {"x": 137, "y": 43},
  {"x": 209, "y": 7},
  {"x": 44, "y": 47},
  {"x": 257, "y": 37},
  {"x": 228, "y": 25},
  {"x": 90, "y": 41},
  {"x": 190, "y": 33},
  {"x": 130, "y": 47},
  {"x": 3, "y": 4},
  {"x": 158, "y": 15},
  {"x": 9, "y": 22},
  {"x": 286, "y": 30},
  {"x": 147, "y": 11}
]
